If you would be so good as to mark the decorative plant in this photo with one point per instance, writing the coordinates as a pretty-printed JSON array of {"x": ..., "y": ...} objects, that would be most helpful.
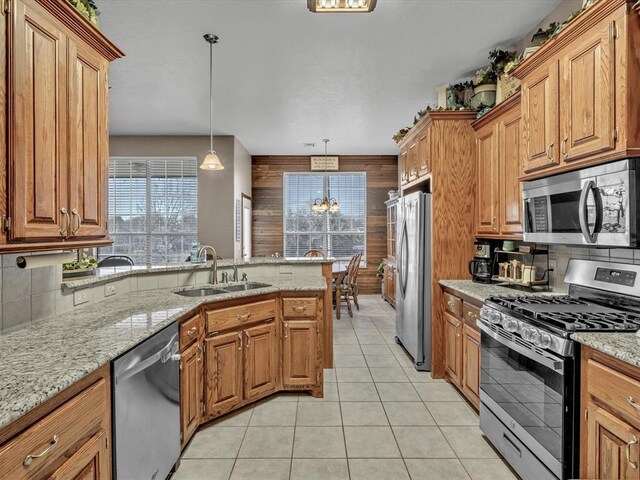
[
  {"x": 380, "y": 270},
  {"x": 420, "y": 114},
  {"x": 401, "y": 134},
  {"x": 500, "y": 58},
  {"x": 459, "y": 95},
  {"x": 510, "y": 66},
  {"x": 484, "y": 76},
  {"x": 85, "y": 262},
  {"x": 88, "y": 9}
]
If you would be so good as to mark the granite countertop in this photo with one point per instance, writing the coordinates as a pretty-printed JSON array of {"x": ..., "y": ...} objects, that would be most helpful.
[
  {"x": 104, "y": 274},
  {"x": 482, "y": 291},
  {"x": 623, "y": 346},
  {"x": 44, "y": 358}
]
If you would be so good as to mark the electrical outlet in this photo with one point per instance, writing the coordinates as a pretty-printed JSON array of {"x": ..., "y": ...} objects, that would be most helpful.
[
  {"x": 80, "y": 297},
  {"x": 286, "y": 269},
  {"x": 109, "y": 290}
]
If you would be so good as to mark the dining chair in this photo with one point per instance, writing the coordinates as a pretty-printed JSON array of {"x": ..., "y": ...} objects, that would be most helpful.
[
  {"x": 314, "y": 253},
  {"x": 344, "y": 285}
]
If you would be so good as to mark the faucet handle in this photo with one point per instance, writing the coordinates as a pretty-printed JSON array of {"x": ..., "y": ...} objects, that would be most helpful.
[{"x": 244, "y": 277}]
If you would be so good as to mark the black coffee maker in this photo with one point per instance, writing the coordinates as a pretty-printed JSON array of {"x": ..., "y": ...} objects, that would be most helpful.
[{"x": 481, "y": 267}]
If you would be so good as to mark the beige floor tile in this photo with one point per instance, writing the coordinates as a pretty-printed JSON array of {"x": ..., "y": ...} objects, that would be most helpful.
[
  {"x": 352, "y": 375},
  {"x": 209, "y": 469},
  {"x": 468, "y": 442},
  {"x": 381, "y": 360},
  {"x": 216, "y": 442},
  {"x": 452, "y": 413},
  {"x": 330, "y": 394},
  {"x": 358, "y": 392},
  {"x": 370, "y": 442},
  {"x": 264, "y": 469},
  {"x": 282, "y": 397},
  {"x": 437, "y": 392},
  {"x": 375, "y": 350},
  {"x": 377, "y": 469},
  {"x": 235, "y": 419},
  {"x": 347, "y": 350},
  {"x": 421, "y": 377},
  {"x": 267, "y": 442},
  {"x": 349, "y": 361},
  {"x": 371, "y": 339},
  {"x": 408, "y": 414},
  {"x": 319, "y": 469},
  {"x": 436, "y": 469},
  {"x": 486, "y": 469},
  {"x": 329, "y": 375},
  {"x": 277, "y": 414},
  {"x": 363, "y": 414},
  {"x": 422, "y": 442},
  {"x": 388, "y": 375},
  {"x": 404, "y": 360},
  {"x": 319, "y": 414},
  {"x": 397, "y": 392},
  {"x": 319, "y": 442}
]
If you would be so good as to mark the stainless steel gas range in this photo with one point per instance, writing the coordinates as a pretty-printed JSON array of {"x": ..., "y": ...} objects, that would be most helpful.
[{"x": 530, "y": 379}]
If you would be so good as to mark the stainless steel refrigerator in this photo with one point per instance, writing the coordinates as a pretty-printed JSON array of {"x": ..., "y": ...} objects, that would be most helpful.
[{"x": 413, "y": 285}]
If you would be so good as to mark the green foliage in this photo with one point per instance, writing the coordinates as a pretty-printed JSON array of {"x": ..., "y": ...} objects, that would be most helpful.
[
  {"x": 500, "y": 58},
  {"x": 380, "y": 270},
  {"x": 87, "y": 262}
]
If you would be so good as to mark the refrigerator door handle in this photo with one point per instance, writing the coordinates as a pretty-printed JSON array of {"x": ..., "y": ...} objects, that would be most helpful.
[{"x": 401, "y": 262}]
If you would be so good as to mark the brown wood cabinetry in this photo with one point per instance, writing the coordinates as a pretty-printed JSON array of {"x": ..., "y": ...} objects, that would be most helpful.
[
  {"x": 499, "y": 199},
  {"x": 390, "y": 271},
  {"x": 190, "y": 390},
  {"x": 610, "y": 430},
  {"x": 299, "y": 347},
  {"x": 57, "y": 156},
  {"x": 260, "y": 361},
  {"x": 389, "y": 277},
  {"x": 471, "y": 364},
  {"x": 453, "y": 348}
]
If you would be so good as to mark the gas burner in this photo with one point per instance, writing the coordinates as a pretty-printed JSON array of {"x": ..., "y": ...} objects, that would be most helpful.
[{"x": 593, "y": 321}]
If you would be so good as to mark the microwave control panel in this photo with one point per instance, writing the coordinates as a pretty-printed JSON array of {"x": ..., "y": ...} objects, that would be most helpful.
[
  {"x": 540, "y": 214},
  {"x": 617, "y": 277}
]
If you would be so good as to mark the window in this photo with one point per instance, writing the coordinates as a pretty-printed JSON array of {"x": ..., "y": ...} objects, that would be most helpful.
[
  {"x": 152, "y": 209},
  {"x": 340, "y": 234}
]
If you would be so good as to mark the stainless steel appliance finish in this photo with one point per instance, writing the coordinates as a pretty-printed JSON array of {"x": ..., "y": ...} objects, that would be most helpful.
[
  {"x": 592, "y": 206},
  {"x": 413, "y": 288},
  {"x": 530, "y": 381},
  {"x": 482, "y": 250},
  {"x": 146, "y": 408}
]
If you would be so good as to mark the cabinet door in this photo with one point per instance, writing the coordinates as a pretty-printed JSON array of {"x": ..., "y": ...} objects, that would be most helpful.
[
  {"x": 300, "y": 357},
  {"x": 487, "y": 186},
  {"x": 392, "y": 283},
  {"x": 412, "y": 156},
  {"x": 509, "y": 167},
  {"x": 223, "y": 372},
  {"x": 190, "y": 391},
  {"x": 261, "y": 364},
  {"x": 88, "y": 141},
  {"x": 612, "y": 447},
  {"x": 453, "y": 348},
  {"x": 587, "y": 95},
  {"x": 471, "y": 364},
  {"x": 540, "y": 119},
  {"x": 38, "y": 160},
  {"x": 89, "y": 462},
  {"x": 424, "y": 152},
  {"x": 404, "y": 167}
]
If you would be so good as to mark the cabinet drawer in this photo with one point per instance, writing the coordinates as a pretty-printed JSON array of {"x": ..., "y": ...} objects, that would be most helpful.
[
  {"x": 614, "y": 388},
  {"x": 453, "y": 305},
  {"x": 241, "y": 315},
  {"x": 55, "y": 435},
  {"x": 299, "y": 307},
  {"x": 190, "y": 331},
  {"x": 471, "y": 313}
]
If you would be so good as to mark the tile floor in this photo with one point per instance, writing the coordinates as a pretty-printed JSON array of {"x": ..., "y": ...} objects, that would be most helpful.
[{"x": 380, "y": 419}]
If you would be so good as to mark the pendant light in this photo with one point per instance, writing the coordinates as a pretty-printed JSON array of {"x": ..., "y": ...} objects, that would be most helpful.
[
  {"x": 211, "y": 161},
  {"x": 326, "y": 203}
]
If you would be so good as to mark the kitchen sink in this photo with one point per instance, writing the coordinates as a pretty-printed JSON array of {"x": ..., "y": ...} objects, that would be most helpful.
[
  {"x": 201, "y": 292},
  {"x": 245, "y": 286}
]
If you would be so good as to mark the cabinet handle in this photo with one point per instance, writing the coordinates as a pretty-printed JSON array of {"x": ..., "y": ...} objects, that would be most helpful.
[
  {"x": 75, "y": 213},
  {"x": 243, "y": 316},
  {"x": 551, "y": 159},
  {"x": 30, "y": 458},
  {"x": 471, "y": 314},
  {"x": 63, "y": 230},
  {"x": 494, "y": 223},
  {"x": 633, "y": 403},
  {"x": 240, "y": 337},
  {"x": 191, "y": 331},
  {"x": 565, "y": 155},
  {"x": 451, "y": 304},
  {"x": 248, "y": 338},
  {"x": 286, "y": 330},
  {"x": 200, "y": 348},
  {"x": 298, "y": 308},
  {"x": 632, "y": 441}
]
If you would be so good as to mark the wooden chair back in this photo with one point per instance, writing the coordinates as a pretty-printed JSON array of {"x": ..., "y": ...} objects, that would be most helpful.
[{"x": 314, "y": 253}]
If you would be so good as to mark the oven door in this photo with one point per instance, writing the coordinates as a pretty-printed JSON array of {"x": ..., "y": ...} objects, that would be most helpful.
[{"x": 532, "y": 393}]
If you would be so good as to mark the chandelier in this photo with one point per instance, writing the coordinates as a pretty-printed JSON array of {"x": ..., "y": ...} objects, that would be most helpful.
[{"x": 327, "y": 203}]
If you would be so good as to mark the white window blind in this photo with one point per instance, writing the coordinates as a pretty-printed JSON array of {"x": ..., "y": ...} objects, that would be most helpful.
[
  {"x": 152, "y": 209},
  {"x": 340, "y": 234}
]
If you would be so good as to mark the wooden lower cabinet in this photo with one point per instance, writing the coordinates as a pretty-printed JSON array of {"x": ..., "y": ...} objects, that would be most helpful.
[
  {"x": 89, "y": 462},
  {"x": 223, "y": 372},
  {"x": 299, "y": 353},
  {"x": 389, "y": 279},
  {"x": 453, "y": 348},
  {"x": 260, "y": 361},
  {"x": 190, "y": 391},
  {"x": 471, "y": 364}
]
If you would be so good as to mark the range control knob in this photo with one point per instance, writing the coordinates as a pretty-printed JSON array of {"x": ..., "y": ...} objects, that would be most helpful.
[
  {"x": 531, "y": 334},
  {"x": 490, "y": 315},
  {"x": 544, "y": 340},
  {"x": 511, "y": 325}
]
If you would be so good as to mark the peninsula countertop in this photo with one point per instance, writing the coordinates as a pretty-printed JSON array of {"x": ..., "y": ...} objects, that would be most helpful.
[{"x": 45, "y": 357}]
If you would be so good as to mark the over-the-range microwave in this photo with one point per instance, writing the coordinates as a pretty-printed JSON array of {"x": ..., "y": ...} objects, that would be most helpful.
[{"x": 596, "y": 206}]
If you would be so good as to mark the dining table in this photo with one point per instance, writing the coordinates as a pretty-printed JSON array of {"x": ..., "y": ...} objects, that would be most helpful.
[{"x": 338, "y": 269}]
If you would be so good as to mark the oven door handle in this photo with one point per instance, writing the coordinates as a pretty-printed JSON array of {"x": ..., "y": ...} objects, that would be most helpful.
[
  {"x": 589, "y": 186},
  {"x": 556, "y": 365}
]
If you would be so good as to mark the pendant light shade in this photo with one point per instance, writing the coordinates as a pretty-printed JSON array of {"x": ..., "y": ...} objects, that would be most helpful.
[{"x": 211, "y": 161}]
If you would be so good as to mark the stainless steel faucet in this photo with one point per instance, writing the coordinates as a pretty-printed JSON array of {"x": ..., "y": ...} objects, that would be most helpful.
[
  {"x": 235, "y": 274},
  {"x": 214, "y": 265}
]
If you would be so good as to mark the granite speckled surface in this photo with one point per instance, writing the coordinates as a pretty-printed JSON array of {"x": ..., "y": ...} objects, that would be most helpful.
[
  {"x": 44, "y": 358},
  {"x": 109, "y": 273},
  {"x": 481, "y": 291},
  {"x": 623, "y": 346}
]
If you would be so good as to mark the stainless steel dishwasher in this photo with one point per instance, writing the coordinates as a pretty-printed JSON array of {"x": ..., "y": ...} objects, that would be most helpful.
[{"x": 146, "y": 408}]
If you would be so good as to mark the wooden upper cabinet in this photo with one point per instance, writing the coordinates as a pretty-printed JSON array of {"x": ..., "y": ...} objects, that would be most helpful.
[
  {"x": 89, "y": 139},
  {"x": 261, "y": 364},
  {"x": 509, "y": 162},
  {"x": 412, "y": 159},
  {"x": 38, "y": 160},
  {"x": 487, "y": 176},
  {"x": 223, "y": 379},
  {"x": 300, "y": 362},
  {"x": 404, "y": 166},
  {"x": 424, "y": 151},
  {"x": 540, "y": 118},
  {"x": 587, "y": 95}
]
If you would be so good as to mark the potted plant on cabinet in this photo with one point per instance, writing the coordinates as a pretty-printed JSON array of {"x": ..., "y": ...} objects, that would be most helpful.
[{"x": 484, "y": 88}]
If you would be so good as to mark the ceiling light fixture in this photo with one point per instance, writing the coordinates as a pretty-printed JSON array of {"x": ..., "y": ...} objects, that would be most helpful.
[
  {"x": 211, "y": 160},
  {"x": 341, "y": 6},
  {"x": 326, "y": 203}
]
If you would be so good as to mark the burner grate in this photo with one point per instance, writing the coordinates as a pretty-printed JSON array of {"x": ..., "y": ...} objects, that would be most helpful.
[{"x": 581, "y": 321}]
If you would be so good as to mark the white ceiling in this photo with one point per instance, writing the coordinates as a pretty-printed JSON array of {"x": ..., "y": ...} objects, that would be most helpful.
[{"x": 284, "y": 76}]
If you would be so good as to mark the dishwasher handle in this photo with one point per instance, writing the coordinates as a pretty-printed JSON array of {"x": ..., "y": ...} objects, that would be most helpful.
[{"x": 169, "y": 352}]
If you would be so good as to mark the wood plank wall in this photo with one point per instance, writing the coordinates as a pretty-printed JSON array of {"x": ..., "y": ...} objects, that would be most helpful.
[{"x": 267, "y": 197}]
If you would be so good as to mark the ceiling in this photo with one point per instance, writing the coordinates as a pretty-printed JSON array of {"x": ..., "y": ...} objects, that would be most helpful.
[{"x": 284, "y": 76}]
